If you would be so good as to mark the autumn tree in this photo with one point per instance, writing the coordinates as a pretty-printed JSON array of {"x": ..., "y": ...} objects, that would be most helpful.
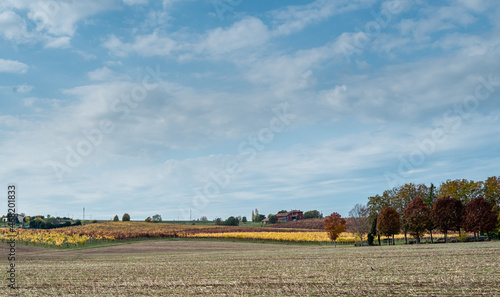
[
  {"x": 126, "y": 217},
  {"x": 416, "y": 215},
  {"x": 389, "y": 222},
  {"x": 359, "y": 220},
  {"x": 404, "y": 195},
  {"x": 479, "y": 216},
  {"x": 256, "y": 217},
  {"x": 148, "y": 219},
  {"x": 447, "y": 214},
  {"x": 463, "y": 189},
  {"x": 334, "y": 226},
  {"x": 116, "y": 219},
  {"x": 491, "y": 190}
]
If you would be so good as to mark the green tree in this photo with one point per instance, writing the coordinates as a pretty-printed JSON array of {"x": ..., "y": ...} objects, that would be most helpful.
[
  {"x": 283, "y": 211},
  {"x": 334, "y": 226},
  {"x": 389, "y": 222},
  {"x": 126, "y": 217},
  {"x": 416, "y": 215},
  {"x": 312, "y": 214},
  {"x": 157, "y": 218},
  {"x": 259, "y": 218},
  {"x": 244, "y": 219},
  {"x": 373, "y": 232},
  {"x": 429, "y": 200},
  {"x": 272, "y": 219},
  {"x": 116, "y": 219},
  {"x": 218, "y": 221},
  {"x": 231, "y": 221}
]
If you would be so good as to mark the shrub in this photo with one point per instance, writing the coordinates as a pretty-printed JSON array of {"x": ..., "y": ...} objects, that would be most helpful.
[
  {"x": 244, "y": 219},
  {"x": 126, "y": 217},
  {"x": 371, "y": 238},
  {"x": 116, "y": 219}
]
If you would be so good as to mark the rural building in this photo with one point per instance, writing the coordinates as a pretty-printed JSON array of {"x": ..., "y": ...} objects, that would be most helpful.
[
  {"x": 292, "y": 215},
  {"x": 20, "y": 217}
]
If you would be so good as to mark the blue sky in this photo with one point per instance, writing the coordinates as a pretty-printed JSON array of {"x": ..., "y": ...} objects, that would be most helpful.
[{"x": 221, "y": 107}]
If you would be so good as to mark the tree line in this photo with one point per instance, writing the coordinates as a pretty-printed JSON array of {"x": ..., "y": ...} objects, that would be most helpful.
[{"x": 415, "y": 209}]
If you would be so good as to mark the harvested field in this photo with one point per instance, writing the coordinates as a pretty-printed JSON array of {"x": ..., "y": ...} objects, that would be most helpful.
[{"x": 200, "y": 268}]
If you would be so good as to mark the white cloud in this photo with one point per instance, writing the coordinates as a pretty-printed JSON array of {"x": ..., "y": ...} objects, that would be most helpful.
[
  {"x": 294, "y": 18},
  {"x": 24, "y": 88},
  {"x": 247, "y": 33},
  {"x": 143, "y": 45},
  {"x": 101, "y": 74},
  {"x": 60, "y": 42},
  {"x": 14, "y": 28},
  {"x": 135, "y": 2},
  {"x": 11, "y": 66},
  {"x": 51, "y": 22},
  {"x": 437, "y": 19}
]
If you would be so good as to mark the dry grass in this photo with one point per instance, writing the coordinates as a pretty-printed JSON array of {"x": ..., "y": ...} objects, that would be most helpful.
[{"x": 201, "y": 268}]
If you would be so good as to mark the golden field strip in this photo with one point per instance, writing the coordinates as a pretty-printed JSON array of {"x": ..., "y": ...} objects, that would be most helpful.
[
  {"x": 175, "y": 267},
  {"x": 277, "y": 236},
  {"x": 111, "y": 231}
]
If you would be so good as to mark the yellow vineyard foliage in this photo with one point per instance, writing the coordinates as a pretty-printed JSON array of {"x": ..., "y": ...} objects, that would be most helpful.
[
  {"x": 278, "y": 236},
  {"x": 49, "y": 238},
  {"x": 283, "y": 236}
]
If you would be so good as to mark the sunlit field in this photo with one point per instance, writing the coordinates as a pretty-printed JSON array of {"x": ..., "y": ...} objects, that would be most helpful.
[{"x": 172, "y": 267}]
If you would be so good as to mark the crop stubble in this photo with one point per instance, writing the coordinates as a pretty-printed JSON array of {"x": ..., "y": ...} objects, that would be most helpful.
[{"x": 190, "y": 268}]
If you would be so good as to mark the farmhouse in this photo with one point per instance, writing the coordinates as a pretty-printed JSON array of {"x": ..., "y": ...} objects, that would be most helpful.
[{"x": 292, "y": 215}]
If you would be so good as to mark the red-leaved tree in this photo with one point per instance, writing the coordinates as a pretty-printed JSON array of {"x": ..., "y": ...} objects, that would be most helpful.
[
  {"x": 334, "y": 225},
  {"x": 479, "y": 216},
  {"x": 389, "y": 222},
  {"x": 416, "y": 216},
  {"x": 447, "y": 215}
]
